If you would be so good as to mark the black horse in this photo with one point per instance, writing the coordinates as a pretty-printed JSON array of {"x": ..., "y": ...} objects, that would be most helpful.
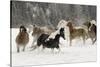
[{"x": 51, "y": 43}]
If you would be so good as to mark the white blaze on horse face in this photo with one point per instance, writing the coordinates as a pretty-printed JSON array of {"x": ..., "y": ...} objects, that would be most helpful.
[
  {"x": 21, "y": 29},
  {"x": 93, "y": 22}
]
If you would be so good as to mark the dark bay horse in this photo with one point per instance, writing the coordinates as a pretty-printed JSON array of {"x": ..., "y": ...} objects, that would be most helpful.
[
  {"x": 22, "y": 38},
  {"x": 92, "y": 30}
]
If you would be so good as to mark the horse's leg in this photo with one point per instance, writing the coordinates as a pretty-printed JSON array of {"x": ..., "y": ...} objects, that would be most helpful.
[
  {"x": 59, "y": 50},
  {"x": 83, "y": 40},
  {"x": 36, "y": 46},
  {"x": 70, "y": 42},
  {"x": 94, "y": 40},
  {"x": 33, "y": 42},
  {"x": 43, "y": 49},
  {"x": 18, "y": 48},
  {"x": 24, "y": 47},
  {"x": 52, "y": 50},
  {"x": 33, "y": 48},
  {"x": 92, "y": 37}
]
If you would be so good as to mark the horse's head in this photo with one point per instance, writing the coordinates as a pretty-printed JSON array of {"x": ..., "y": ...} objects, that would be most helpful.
[
  {"x": 36, "y": 30},
  {"x": 22, "y": 29},
  {"x": 62, "y": 33},
  {"x": 61, "y": 23},
  {"x": 88, "y": 24},
  {"x": 69, "y": 24}
]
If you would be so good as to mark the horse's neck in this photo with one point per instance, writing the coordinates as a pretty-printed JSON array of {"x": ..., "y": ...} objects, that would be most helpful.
[
  {"x": 22, "y": 33},
  {"x": 71, "y": 29},
  {"x": 57, "y": 37},
  {"x": 93, "y": 27}
]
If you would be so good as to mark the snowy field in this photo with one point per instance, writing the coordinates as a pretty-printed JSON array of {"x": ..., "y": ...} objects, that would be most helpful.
[{"x": 75, "y": 54}]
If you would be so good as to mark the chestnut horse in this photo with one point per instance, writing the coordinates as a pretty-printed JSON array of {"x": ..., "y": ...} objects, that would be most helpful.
[{"x": 76, "y": 32}]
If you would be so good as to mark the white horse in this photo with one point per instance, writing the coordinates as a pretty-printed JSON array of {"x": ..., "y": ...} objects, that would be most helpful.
[{"x": 62, "y": 24}]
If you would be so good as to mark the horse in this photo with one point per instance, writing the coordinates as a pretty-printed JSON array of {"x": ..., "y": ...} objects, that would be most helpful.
[
  {"x": 62, "y": 24},
  {"x": 50, "y": 42},
  {"x": 37, "y": 31},
  {"x": 76, "y": 33},
  {"x": 92, "y": 30},
  {"x": 22, "y": 38}
]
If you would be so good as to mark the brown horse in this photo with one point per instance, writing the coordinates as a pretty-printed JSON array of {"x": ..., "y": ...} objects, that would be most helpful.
[
  {"x": 74, "y": 33},
  {"x": 37, "y": 31},
  {"x": 22, "y": 38},
  {"x": 92, "y": 30}
]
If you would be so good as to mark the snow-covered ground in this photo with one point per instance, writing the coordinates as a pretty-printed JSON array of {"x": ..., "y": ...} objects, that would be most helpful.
[{"x": 77, "y": 53}]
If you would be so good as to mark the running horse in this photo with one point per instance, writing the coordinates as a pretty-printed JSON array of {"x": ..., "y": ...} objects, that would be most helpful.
[{"x": 38, "y": 30}]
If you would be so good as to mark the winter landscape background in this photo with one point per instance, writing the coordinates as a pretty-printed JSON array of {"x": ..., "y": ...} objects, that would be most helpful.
[{"x": 26, "y": 12}]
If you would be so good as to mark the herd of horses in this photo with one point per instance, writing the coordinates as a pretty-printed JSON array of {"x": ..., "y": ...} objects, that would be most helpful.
[{"x": 48, "y": 37}]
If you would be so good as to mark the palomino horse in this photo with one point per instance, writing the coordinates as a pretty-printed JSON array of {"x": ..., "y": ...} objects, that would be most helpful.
[
  {"x": 37, "y": 31},
  {"x": 22, "y": 38},
  {"x": 92, "y": 30},
  {"x": 74, "y": 33}
]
